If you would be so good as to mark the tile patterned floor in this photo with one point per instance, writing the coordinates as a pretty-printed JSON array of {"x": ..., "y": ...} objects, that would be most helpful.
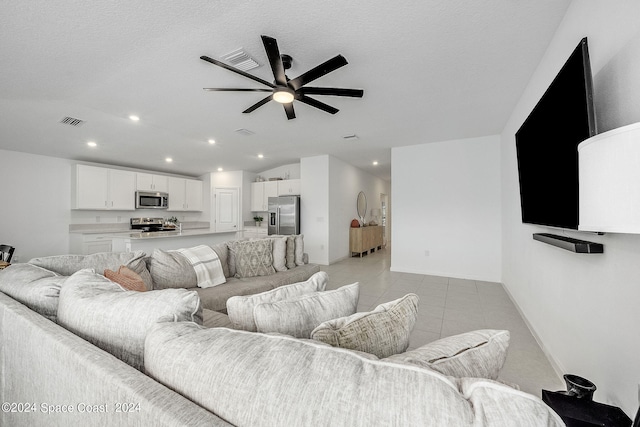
[{"x": 450, "y": 306}]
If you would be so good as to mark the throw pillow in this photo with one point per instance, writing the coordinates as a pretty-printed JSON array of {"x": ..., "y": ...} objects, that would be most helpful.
[
  {"x": 240, "y": 308},
  {"x": 383, "y": 331},
  {"x": 298, "y": 316},
  {"x": 126, "y": 278},
  {"x": 279, "y": 253},
  {"x": 223, "y": 254},
  {"x": 232, "y": 256},
  {"x": 291, "y": 252},
  {"x": 299, "y": 255},
  {"x": 101, "y": 312},
  {"x": 33, "y": 286},
  {"x": 253, "y": 258},
  {"x": 170, "y": 269},
  {"x": 479, "y": 354}
]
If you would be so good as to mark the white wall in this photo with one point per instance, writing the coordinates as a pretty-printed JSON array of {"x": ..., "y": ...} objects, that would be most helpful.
[
  {"x": 584, "y": 308},
  {"x": 314, "y": 207},
  {"x": 36, "y": 203},
  {"x": 291, "y": 171},
  {"x": 446, "y": 201}
]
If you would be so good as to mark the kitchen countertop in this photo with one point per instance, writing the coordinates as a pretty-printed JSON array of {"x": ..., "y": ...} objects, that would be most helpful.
[{"x": 164, "y": 234}]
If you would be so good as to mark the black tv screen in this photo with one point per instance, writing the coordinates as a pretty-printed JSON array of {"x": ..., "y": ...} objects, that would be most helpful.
[{"x": 547, "y": 145}]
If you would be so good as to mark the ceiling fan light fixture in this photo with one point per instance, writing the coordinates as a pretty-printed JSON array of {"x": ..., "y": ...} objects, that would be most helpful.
[{"x": 283, "y": 95}]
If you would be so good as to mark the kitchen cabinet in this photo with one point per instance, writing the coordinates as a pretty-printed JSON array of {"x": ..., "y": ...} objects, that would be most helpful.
[
  {"x": 260, "y": 193},
  {"x": 98, "y": 188},
  {"x": 185, "y": 194},
  {"x": 289, "y": 187},
  {"x": 365, "y": 239},
  {"x": 87, "y": 244},
  {"x": 151, "y": 182}
]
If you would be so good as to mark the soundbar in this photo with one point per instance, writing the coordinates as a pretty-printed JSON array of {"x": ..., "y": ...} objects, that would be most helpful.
[{"x": 569, "y": 243}]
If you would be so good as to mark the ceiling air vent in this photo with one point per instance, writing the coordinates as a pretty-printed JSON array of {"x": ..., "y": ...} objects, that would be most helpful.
[
  {"x": 351, "y": 137},
  {"x": 71, "y": 121},
  {"x": 240, "y": 59},
  {"x": 245, "y": 132}
]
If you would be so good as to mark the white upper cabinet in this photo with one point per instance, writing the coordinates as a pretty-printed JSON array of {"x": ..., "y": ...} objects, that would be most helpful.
[
  {"x": 185, "y": 194},
  {"x": 260, "y": 193},
  {"x": 289, "y": 187},
  {"x": 150, "y": 182},
  {"x": 99, "y": 188}
]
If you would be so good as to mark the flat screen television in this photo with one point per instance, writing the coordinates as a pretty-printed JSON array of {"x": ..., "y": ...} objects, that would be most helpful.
[{"x": 547, "y": 145}]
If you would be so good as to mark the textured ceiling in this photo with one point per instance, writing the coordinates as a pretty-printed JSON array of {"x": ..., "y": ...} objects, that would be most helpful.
[{"x": 432, "y": 70}]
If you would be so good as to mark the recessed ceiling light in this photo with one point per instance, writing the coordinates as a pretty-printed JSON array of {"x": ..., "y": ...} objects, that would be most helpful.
[
  {"x": 212, "y": 141},
  {"x": 220, "y": 169},
  {"x": 92, "y": 144},
  {"x": 168, "y": 160},
  {"x": 375, "y": 163},
  {"x": 260, "y": 156},
  {"x": 134, "y": 118}
]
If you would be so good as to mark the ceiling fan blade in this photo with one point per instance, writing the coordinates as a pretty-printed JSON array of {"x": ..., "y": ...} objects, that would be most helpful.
[
  {"x": 315, "y": 103},
  {"x": 229, "y": 89},
  {"x": 237, "y": 71},
  {"x": 258, "y": 104},
  {"x": 288, "y": 108},
  {"x": 273, "y": 53},
  {"x": 319, "y": 71},
  {"x": 356, "y": 93}
]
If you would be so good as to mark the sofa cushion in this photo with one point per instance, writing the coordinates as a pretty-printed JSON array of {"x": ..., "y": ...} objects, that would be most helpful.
[
  {"x": 33, "y": 286},
  {"x": 216, "y": 298},
  {"x": 298, "y": 316},
  {"x": 383, "y": 331},
  {"x": 171, "y": 269},
  {"x": 223, "y": 254},
  {"x": 291, "y": 252},
  {"x": 282, "y": 381},
  {"x": 479, "y": 354},
  {"x": 126, "y": 278},
  {"x": 103, "y": 313},
  {"x": 215, "y": 319},
  {"x": 279, "y": 252},
  {"x": 253, "y": 257},
  {"x": 240, "y": 308},
  {"x": 299, "y": 251},
  {"x": 66, "y": 265}
]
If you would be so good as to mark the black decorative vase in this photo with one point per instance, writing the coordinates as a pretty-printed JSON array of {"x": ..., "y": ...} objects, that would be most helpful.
[{"x": 579, "y": 387}]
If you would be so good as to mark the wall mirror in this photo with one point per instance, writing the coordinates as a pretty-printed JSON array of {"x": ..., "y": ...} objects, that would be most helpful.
[{"x": 361, "y": 206}]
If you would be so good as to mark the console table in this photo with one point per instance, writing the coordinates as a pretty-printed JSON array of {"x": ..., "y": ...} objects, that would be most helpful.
[{"x": 365, "y": 239}]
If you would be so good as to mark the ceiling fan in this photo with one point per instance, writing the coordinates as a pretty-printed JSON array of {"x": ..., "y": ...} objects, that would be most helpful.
[{"x": 285, "y": 90}]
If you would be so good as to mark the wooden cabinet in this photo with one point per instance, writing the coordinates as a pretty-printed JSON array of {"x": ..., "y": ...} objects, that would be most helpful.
[
  {"x": 289, "y": 187},
  {"x": 185, "y": 194},
  {"x": 150, "y": 182},
  {"x": 260, "y": 193},
  {"x": 99, "y": 188},
  {"x": 365, "y": 239}
]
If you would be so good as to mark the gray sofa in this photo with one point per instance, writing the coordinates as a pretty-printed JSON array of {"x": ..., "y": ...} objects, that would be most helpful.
[{"x": 97, "y": 355}]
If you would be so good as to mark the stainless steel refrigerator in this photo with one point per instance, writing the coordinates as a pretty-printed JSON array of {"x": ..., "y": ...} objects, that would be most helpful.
[{"x": 284, "y": 215}]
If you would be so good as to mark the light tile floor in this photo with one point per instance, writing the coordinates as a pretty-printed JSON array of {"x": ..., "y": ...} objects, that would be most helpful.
[{"x": 450, "y": 306}]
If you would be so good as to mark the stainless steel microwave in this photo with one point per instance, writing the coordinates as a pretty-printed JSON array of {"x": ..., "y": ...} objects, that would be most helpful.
[{"x": 151, "y": 200}]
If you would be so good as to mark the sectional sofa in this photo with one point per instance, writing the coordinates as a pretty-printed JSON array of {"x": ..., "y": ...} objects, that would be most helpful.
[{"x": 80, "y": 349}]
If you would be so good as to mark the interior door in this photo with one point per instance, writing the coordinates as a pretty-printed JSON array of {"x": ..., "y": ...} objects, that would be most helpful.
[{"x": 226, "y": 209}]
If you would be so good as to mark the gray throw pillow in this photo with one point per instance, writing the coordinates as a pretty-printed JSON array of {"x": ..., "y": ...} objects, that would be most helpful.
[
  {"x": 299, "y": 254},
  {"x": 298, "y": 316},
  {"x": 383, "y": 332},
  {"x": 253, "y": 257},
  {"x": 240, "y": 308},
  {"x": 108, "y": 316},
  {"x": 479, "y": 354},
  {"x": 170, "y": 269},
  {"x": 279, "y": 252}
]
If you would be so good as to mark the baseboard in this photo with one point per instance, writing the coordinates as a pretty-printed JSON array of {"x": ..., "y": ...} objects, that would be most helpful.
[{"x": 555, "y": 364}]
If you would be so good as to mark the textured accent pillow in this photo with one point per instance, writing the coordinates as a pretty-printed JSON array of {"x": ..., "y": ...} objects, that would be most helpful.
[
  {"x": 299, "y": 249},
  {"x": 101, "y": 312},
  {"x": 66, "y": 265},
  {"x": 253, "y": 258},
  {"x": 126, "y": 278},
  {"x": 478, "y": 354},
  {"x": 279, "y": 253},
  {"x": 298, "y": 316},
  {"x": 170, "y": 269},
  {"x": 232, "y": 256},
  {"x": 383, "y": 331},
  {"x": 291, "y": 252},
  {"x": 33, "y": 286},
  {"x": 240, "y": 308}
]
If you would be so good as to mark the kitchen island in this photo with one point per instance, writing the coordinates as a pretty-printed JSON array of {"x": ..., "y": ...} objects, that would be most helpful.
[{"x": 168, "y": 240}]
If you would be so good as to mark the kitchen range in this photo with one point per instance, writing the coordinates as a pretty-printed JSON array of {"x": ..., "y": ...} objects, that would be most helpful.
[{"x": 153, "y": 225}]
